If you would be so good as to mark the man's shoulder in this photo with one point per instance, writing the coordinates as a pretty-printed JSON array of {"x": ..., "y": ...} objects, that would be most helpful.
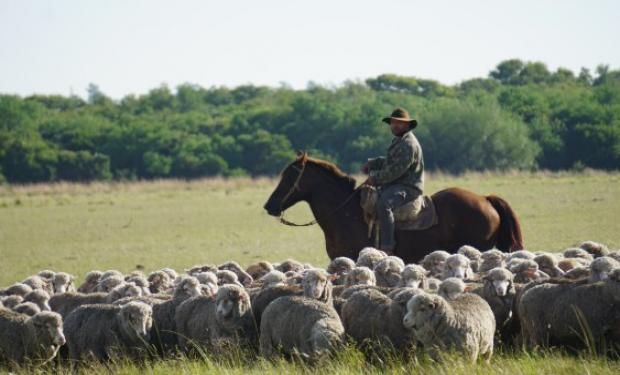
[{"x": 411, "y": 139}]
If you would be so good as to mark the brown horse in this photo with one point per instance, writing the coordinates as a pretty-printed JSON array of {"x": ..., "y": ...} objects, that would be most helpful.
[{"x": 465, "y": 218}]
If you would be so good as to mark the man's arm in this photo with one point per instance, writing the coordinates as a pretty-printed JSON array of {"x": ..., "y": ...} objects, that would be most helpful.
[{"x": 394, "y": 167}]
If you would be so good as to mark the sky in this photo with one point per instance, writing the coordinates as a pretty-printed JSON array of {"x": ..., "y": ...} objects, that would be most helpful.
[{"x": 132, "y": 46}]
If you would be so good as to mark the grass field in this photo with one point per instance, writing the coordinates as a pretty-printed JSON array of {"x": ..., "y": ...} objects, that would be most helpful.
[{"x": 149, "y": 225}]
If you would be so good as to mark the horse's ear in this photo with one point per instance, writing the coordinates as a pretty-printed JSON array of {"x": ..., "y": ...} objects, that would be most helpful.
[{"x": 302, "y": 155}]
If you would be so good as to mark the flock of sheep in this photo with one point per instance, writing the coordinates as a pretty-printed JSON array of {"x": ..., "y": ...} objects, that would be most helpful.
[{"x": 468, "y": 302}]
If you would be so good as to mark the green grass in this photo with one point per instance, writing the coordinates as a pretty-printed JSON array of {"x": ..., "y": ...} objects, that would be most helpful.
[{"x": 77, "y": 228}]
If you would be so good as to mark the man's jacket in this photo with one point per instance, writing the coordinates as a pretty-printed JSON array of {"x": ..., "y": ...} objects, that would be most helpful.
[{"x": 403, "y": 165}]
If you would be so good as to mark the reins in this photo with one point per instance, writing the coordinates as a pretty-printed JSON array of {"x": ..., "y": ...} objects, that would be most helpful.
[{"x": 296, "y": 187}]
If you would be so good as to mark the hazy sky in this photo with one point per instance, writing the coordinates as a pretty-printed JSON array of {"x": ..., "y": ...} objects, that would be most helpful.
[{"x": 132, "y": 46}]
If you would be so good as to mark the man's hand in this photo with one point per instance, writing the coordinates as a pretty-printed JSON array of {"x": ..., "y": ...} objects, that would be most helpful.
[{"x": 365, "y": 168}]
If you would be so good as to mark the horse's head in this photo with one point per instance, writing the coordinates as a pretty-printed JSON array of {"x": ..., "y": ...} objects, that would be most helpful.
[{"x": 289, "y": 191}]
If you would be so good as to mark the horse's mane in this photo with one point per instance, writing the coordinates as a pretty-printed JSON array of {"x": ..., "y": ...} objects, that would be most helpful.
[{"x": 331, "y": 168}]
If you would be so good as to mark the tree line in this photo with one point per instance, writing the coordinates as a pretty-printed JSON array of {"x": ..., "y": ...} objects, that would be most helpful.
[{"x": 521, "y": 116}]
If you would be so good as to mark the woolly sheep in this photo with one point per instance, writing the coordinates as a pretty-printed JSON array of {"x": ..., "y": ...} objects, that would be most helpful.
[
  {"x": 499, "y": 292},
  {"x": 90, "y": 282},
  {"x": 11, "y": 301},
  {"x": 244, "y": 278},
  {"x": 388, "y": 271},
  {"x": 273, "y": 278},
  {"x": 491, "y": 259},
  {"x": 107, "y": 331},
  {"x": 63, "y": 282},
  {"x": 435, "y": 262},
  {"x": 317, "y": 285},
  {"x": 259, "y": 269},
  {"x": 371, "y": 315},
  {"x": 159, "y": 282},
  {"x": 207, "y": 321},
  {"x": 27, "y": 308},
  {"x": 201, "y": 268},
  {"x": 457, "y": 265},
  {"x": 596, "y": 249},
  {"x": 465, "y": 324},
  {"x": 164, "y": 331},
  {"x": 451, "y": 288},
  {"x": 527, "y": 271},
  {"x": 548, "y": 264},
  {"x": 122, "y": 291},
  {"x": 300, "y": 325},
  {"x": 24, "y": 338},
  {"x": 578, "y": 253},
  {"x": 38, "y": 282},
  {"x": 107, "y": 283},
  {"x": 340, "y": 267},
  {"x": 575, "y": 307},
  {"x": 601, "y": 268},
  {"x": 40, "y": 298},
  {"x": 17, "y": 289},
  {"x": 369, "y": 257},
  {"x": 472, "y": 254},
  {"x": 65, "y": 303},
  {"x": 360, "y": 276},
  {"x": 266, "y": 295},
  {"x": 414, "y": 276},
  {"x": 290, "y": 265},
  {"x": 47, "y": 274}
]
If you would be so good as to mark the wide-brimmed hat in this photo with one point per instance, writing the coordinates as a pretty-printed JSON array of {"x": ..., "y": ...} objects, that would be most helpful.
[{"x": 402, "y": 115}]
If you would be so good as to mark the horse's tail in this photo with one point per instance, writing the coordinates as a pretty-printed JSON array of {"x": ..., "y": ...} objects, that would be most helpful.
[{"x": 509, "y": 237}]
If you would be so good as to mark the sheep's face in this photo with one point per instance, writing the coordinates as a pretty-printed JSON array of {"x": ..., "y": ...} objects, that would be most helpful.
[
  {"x": 40, "y": 298},
  {"x": 388, "y": 273},
  {"x": 361, "y": 276},
  {"x": 188, "y": 287},
  {"x": 420, "y": 310},
  {"x": 412, "y": 278},
  {"x": 231, "y": 303},
  {"x": 63, "y": 283},
  {"x": 451, "y": 288},
  {"x": 225, "y": 277},
  {"x": 107, "y": 284},
  {"x": 273, "y": 278},
  {"x": 48, "y": 329},
  {"x": 457, "y": 266},
  {"x": 259, "y": 270},
  {"x": 601, "y": 268},
  {"x": 340, "y": 266},
  {"x": 315, "y": 284},
  {"x": 138, "y": 317}
]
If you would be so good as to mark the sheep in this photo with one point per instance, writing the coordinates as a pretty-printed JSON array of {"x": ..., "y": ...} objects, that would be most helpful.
[
  {"x": 520, "y": 254},
  {"x": 435, "y": 262},
  {"x": 596, "y": 249},
  {"x": 208, "y": 283},
  {"x": 548, "y": 264},
  {"x": 465, "y": 324},
  {"x": 159, "y": 282},
  {"x": 433, "y": 285},
  {"x": 11, "y": 301},
  {"x": 27, "y": 308},
  {"x": 35, "y": 338},
  {"x": 601, "y": 267},
  {"x": 225, "y": 277},
  {"x": 457, "y": 265},
  {"x": 38, "y": 282},
  {"x": 65, "y": 303},
  {"x": 268, "y": 294},
  {"x": 371, "y": 315},
  {"x": 112, "y": 273},
  {"x": 578, "y": 311},
  {"x": 578, "y": 273},
  {"x": 141, "y": 282},
  {"x": 290, "y": 265},
  {"x": 63, "y": 282},
  {"x": 107, "y": 283},
  {"x": 317, "y": 285},
  {"x": 615, "y": 255},
  {"x": 259, "y": 269},
  {"x": 40, "y": 298},
  {"x": 388, "y": 271},
  {"x": 244, "y": 278},
  {"x": 273, "y": 278},
  {"x": 451, "y": 288},
  {"x": 499, "y": 292},
  {"x": 527, "y": 271},
  {"x": 47, "y": 274},
  {"x": 414, "y": 276},
  {"x": 210, "y": 321},
  {"x": 104, "y": 331},
  {"x": 578, "y": 253},
  {"x": 340, "y": 267},
  {"x": 360, "y": 276},
  {"x": 491, "y": 259},
  {"x": 163, "y": 331},
  {"x": 472, "y": 254},
  {"x": 369, "y": 257},
  {"x": 90, "y": 282},
  {"x": 171, "y": 273},
  {"x": 17, "y": 289},
  {"x": 568, "y": 264},
  {"x": 300, "y": 325},
  {"x": 201, "y": 268}
]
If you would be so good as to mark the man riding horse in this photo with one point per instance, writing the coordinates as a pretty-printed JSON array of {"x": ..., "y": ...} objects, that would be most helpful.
[{"x": 399, "y": 176}]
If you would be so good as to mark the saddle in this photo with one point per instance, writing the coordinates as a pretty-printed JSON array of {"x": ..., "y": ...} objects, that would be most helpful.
[{"x": 418, "y": 214}]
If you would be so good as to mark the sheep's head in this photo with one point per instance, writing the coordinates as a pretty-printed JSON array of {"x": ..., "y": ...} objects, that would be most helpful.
[
  {"x": 48, "y": 329},
  {"x": 40, "y": 298},
  {"x": 457, "y": 265},
  {"x": 601, "y": 268},
  {"x": 576, "y": 252},
  {"x": 421, "y": 310},
  {"x": 388, "y": 271},
  {"x": 90, "y": 282},
  {"x": 413, "y": 276},
  {"x": 361, "y": 276},
  {"x": 244, "y": 277},
  {"x": 47, "y": 274},
  {"x": 369, "y": 257},
  {"x": 317, "y": 285},
  {"x": 232, "y": 302},
  {"x": 138, "y": 318},
  {"x": 273, "y": 278},
  {"x": 491, "y": 259},
  {"x": 596, "y": 249},
  {"x": 290, "y": 265},
  {"x": 106, "y": 284},
  {"x": 159, "y": 281},
  {"x": 63, "y": 282},
  {"x": 470, "y": 252},
  {"x": 451, "y": 287},
  {"x": 18, "y": 289},
  {"x": 187, "y": 287},
  {"x": 435, "y": 262},
  {"x": 260, "y": 269},
  {"x": 12, "y": 301},
  {"x": 499, "y": 280}
]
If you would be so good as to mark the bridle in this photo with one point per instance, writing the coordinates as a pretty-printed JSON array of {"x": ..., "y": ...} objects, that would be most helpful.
[{"x": 296, "y": 187}]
